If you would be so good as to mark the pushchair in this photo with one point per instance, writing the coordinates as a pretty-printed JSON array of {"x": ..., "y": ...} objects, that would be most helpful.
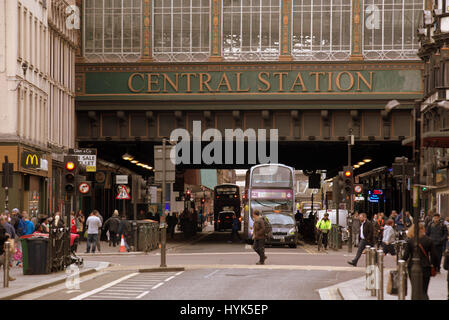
[{"x": 74, "y": 241}]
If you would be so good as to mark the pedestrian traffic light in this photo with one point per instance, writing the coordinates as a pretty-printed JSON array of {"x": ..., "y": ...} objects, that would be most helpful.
[
  {"x": 348, "y": 181},
  {"x": 70, "y": 171}
]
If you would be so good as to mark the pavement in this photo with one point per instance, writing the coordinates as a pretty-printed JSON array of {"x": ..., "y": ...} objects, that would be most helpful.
[{"x": 25, "y": 284}]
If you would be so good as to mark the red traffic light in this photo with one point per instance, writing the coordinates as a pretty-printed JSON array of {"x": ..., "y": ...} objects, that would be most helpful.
[
  {"x": 348, "y": 173},
  {"x": 70, "y": 165}
]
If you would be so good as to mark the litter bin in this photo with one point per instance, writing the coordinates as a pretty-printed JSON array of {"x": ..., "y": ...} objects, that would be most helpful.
[{"x": 34, "y": 255}]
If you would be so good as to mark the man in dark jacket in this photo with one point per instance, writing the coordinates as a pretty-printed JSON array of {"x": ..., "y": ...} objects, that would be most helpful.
[
  {"x": 437, "y": 231},
  {"x": 125, "y": 230},
  {"x": 259, "y": 236},
  {"x": 366, "y": 237},
  {"x": 112, "y": 225}
]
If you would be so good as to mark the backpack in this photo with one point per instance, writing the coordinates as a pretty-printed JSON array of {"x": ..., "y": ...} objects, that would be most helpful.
[{"x": 268, "y": 229}]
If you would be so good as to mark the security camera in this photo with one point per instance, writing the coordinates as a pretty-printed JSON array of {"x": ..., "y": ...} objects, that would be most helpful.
[{"x": 24, "y": 68}]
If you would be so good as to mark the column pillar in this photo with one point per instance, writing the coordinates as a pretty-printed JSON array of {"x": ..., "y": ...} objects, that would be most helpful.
[
  {"x": 357, "y": 23},
  {"x": 286, "y": 29},
  {"x": 216, "y": 31},
  {"x": 147, "y": 54}
]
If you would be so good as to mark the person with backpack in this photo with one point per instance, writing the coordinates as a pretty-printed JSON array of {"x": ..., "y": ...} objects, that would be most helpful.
[
  {"x": 112, "y": 225},
  {"x": 259, "y": 236},
  {"x": 324, "y": 226}
]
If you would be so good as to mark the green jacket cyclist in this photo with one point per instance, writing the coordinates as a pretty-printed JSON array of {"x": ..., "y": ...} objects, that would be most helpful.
[{"x": 324, "y": 226}]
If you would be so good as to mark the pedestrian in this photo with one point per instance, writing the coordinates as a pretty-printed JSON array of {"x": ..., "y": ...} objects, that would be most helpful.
[
  {"x": 437, "y": 231},
  {"x": 428, "y": 255},
  {"x": 389, "y": 236},
  {"x": 15, "y": 218},
  {"x": 124, "y": 230},
  {"x": 355, "y": 228},
  {"x": 235, "y": 228},
  {"x": 379, "y": 224},
  {"x": 79, "y": 220},
  {"x": 366, "y": 237},
  {"x": 93, "y": 226},
  {"x": 29, "y": 226},
  {"x": 259, "y": 236},
  {"x": 446, "y": 265},
  {"x": 429, "y": 217},
  {"x": 8, "y": 227},
  {"x": 73, "y": 223},
  {"x": 99, "y": 230},
  {"x": 141, "y": 215},
  {"x": 408, "y": 219},
  {"x": 4, "y": 236},
  {"x": 399, "y": 221},
  {"x": 112, "y": 225},
  {"x": 324, "y": 226},
  {"x": 172, "y": 221}
]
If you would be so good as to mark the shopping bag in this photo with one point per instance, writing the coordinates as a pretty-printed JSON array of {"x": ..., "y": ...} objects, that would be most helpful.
[{"x": 85, "y": 234}]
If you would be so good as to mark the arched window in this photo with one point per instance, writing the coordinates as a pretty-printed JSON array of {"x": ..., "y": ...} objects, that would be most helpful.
[
  {"x": 321, "y": 29},
  {"x": 112, "y": 30},
  {"x": 251, "y": 29},
  {"x": 389, "y": 28},
  {"x": 181, "y": 30}
]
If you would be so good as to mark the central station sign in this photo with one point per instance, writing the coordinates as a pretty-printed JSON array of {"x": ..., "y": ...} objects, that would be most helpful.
[{"x": 251, "y": 82}]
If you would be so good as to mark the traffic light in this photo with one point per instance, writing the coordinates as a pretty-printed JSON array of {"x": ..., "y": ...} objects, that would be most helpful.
[
  {"x": 203, "y": 200},
  {"x": 337, "y": 191},
  {"x": 187, "y": 196},
  {"x": 348, "y": 181},
  {"x": 70, "y": 171}
]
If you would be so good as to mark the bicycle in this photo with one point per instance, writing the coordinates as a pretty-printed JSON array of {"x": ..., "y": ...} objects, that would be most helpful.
[{"x": 320, "y": 240}]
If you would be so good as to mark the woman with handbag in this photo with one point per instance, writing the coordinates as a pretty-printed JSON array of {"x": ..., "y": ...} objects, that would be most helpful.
[{"x": 428, "y": 256}]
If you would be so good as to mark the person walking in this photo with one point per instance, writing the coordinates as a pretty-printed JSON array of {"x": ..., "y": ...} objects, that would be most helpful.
[
  {"x": 4, "y": 236},
  {"x": 124, "y": 230},
  {"x": 355, "y": 228},
  {"x": 428, "y": 255},
  {"x": 93, "y": 226},
  {"x": 235, "y": 228},
  {"x": 437, "y": 231},
  {"x": 112, "y": 224},
  {"x": 259, "y": 236},
  {"x": 366, "y": 238},
  {"x": 389, "y": 236},
  {"x": 79, "y": 220},
  {"x": 29, "y": 226},
  {"x": 324, "y": 226},
  {"x": 99, "y": 216},
  {"x": 172, "y": 221},
  {"x": 379, "y": 224}
]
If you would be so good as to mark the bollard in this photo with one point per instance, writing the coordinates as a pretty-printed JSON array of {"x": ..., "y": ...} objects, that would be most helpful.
[
  {"x": 367, "y": 261},
  {"x": 6, "y": 265},
  {"x": 163, "y": 243},
  {"x": 401, "y": 279},
  {"x": 380, "y": 275},
  {"x": 373, "y": 270}
]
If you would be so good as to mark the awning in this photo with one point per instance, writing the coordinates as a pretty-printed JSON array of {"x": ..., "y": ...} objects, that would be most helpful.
[{"x": 436, "y": 139}]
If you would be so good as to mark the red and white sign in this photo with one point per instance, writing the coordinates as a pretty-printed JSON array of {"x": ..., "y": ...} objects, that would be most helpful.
[
  {"x": 84, "y": 188},
  {"x": 123, "y": 194},
  {"x": 358, "y": 188}
]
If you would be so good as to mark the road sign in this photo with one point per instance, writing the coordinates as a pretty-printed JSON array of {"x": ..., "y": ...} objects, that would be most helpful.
[
  {"x": 358, "y": 188},
  {"x": 159, "y": 163},
  {"x": 86, "y": 157},
  {"x": 123, "y": 194},
  {"x": 84, "y": 188},
  {"x": 121, "y": 179}
]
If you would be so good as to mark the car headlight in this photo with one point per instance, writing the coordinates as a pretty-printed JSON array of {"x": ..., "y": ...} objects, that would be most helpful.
[{"x": 292, "y": 231}]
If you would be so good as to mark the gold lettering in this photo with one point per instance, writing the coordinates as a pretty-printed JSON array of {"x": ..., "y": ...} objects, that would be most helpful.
[
  {"x": 238, "y": 75},
  {"x": 281, "y": 79},
  {"x": 317, "y": 79},
  {"x": 330, "y": 76},
  {"x": 351, "y": 82},
  {"x": 369, "y": 85},
  {"x": 151, "y": 82},
  {"x": 264, "y": 81},
  {"x": 174, "y": 85},
  {"x": 226, "y": 83},
  {"x": 300, "y": 83},
  {"x": 33, "y": 158},
  {"x": 130, "y": 82},
  {"x": 188, "y": 77},
  {"x": 206, "y": 83}
]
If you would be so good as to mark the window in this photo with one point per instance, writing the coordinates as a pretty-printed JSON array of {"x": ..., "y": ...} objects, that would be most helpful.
[
  {"x": 181, "y": 30},
  {"x": 390, "y": 28},
  {"x": 321, "y": 29},
  {"x": 112, "y": 30},
  {"x": 251, "y": 29}
]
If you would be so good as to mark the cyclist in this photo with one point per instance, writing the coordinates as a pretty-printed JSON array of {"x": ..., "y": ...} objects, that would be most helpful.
[{"x": 324, "y": 226}]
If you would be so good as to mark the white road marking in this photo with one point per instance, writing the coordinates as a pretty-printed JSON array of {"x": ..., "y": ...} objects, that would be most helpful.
[
  {"x": 142, "y": 294},
  {"x": 168, "y": 279},
  {"x": 177, "y": 274},
  {"x": 211, "y": 274},
  {"x": 157, "y": 286},
  {"x": 106, "y": 286},
  {"x": 118, "y": 293}
]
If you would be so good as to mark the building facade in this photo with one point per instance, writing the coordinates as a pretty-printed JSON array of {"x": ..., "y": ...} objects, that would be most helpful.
[{"x": 35, "y": 121}]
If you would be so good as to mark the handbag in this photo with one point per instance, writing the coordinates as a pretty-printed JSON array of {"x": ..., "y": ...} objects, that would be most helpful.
[
  {"x": 433, "y": 271},
  {"x": 85, "y": 234},
  {"x": 392, "y": 285}
]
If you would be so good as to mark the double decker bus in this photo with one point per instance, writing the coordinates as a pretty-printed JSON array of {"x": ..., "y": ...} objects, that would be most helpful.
[
  {"x": 269, "y": 188},
  {"x": 226, "y": 202}
]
